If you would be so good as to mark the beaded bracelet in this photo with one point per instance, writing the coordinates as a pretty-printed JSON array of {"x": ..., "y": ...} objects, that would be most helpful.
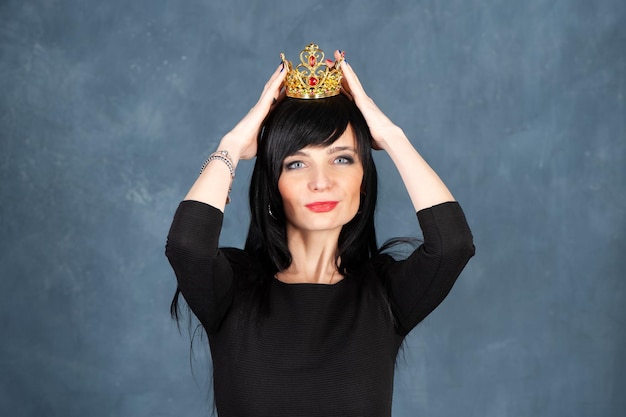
[
  {"x": 222, "y": 156},
  {"x": 225, "y": 158}
]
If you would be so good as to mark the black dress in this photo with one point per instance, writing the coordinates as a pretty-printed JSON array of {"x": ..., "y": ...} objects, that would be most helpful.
[{"x": 321, "y": 350}]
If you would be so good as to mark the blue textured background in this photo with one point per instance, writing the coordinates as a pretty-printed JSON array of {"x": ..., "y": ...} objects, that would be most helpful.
[{"x": 108, "y": 108}]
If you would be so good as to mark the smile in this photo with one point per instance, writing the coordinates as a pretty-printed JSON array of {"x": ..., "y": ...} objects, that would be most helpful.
[{"x": 322, "y": 206}]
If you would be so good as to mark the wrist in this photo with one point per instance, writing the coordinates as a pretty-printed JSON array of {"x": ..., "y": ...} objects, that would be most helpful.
[
  {"x": 224, "y": 156},
  {"x": 234, "y": 149},
  {"x": 390, "y": 138}
]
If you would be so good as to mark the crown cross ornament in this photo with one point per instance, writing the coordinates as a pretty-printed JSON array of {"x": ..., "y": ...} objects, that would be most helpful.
[{"x": 314, "y": 77}]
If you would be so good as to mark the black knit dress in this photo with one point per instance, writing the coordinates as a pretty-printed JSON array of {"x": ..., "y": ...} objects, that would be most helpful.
[{"x": 317, "y": 350}]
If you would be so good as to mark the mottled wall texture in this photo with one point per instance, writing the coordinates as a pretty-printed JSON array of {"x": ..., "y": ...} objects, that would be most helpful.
[{"x": 108, "y": 108}]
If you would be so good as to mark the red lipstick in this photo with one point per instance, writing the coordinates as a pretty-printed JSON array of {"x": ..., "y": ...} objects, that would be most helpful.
[{"x": 322, "y": 206}]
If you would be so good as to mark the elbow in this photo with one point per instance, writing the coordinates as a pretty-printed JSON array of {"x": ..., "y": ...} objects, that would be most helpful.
[
  {"x": 177, "y": 250},
  {"x": 174, "y": 249},
  {"x": 460, "y": 248},
  {"x": 176, "y": 255},
  {"x": 465, "y": 247}
]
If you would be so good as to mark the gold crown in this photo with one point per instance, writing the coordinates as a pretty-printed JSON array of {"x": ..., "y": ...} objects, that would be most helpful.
[{"x": 313, "y": 77}]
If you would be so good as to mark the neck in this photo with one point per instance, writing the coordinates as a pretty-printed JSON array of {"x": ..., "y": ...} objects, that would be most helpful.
[{"x": 313, "y": 258}]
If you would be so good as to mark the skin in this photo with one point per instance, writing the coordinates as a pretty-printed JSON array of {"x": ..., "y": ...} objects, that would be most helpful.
[
  {"x": 314, "y": 175},
  {"x": 313, "y": 250}
]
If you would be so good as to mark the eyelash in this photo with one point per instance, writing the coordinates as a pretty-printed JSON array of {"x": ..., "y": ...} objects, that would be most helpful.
[
  {"x": 348, "y": 161},
  {"x": 290, "y": 165}
]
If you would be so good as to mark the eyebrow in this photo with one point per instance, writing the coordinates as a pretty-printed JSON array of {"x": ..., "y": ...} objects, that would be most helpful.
[
  {"x": 336, "y": 149},
  {"x": 330, "y": 151}
]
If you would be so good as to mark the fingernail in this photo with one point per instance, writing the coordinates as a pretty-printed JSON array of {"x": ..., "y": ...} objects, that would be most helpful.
[{"x": 281, "y": 70}]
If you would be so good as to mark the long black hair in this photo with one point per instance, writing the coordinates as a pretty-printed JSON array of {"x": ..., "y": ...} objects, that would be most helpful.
[{"x": 291, "y": 126}]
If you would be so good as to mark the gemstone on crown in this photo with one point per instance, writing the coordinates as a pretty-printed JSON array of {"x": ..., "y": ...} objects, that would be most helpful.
[{"x": 314, "y": 77}]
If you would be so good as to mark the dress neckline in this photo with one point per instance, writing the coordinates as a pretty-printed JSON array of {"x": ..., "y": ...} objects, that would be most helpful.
[{"x": 310, "y": 284}]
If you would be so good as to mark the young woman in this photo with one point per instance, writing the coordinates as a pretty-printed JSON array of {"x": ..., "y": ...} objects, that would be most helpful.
[{"x": 308, "y": 318}]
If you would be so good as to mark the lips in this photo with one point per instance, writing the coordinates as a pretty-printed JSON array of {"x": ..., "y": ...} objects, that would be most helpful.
[{"x": 322, "y": 206}]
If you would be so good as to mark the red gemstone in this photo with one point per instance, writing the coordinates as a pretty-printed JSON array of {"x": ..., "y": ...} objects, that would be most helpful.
[
  {"x": 312, "y": 81},
  {"x": 312, "y": 60}
]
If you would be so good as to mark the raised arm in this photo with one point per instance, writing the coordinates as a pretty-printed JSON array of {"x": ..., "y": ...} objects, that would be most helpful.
[
  {"x": 205, "y": 276},
  {"x": 423, "y": 184},
  {"x": 213, "y": 184},
  {"x": 417, "y": 285}
]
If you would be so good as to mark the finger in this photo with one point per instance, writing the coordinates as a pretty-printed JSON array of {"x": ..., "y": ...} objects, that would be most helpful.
[
  {"x": 272, "y": 89},
  {"x": 339, "y": 56},
  {"x": 345, "y": 87},
  {"x": 282, "y": 93},
  {"x": 277, "y": 77},
  {"x": 275, "y": 74},
  {"x": 354, "y": 85}
]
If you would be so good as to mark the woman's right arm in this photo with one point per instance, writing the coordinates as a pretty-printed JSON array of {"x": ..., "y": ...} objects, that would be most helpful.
[
  {"x": 213, "y": 184},
  {"x": 205, "y": 277}
]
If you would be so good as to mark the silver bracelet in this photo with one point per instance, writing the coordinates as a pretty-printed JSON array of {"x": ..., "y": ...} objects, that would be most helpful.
[
  {"x": 222, "y": 156},
  {"x": 225, "y": 158}
]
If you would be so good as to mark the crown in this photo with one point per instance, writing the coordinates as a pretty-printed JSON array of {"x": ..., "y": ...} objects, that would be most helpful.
[{"x": 313, "y": 77}]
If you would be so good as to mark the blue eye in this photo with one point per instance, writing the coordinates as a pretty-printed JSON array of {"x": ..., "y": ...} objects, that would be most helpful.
[
  {"x": 344, "y": 160},
  {"x": 294, "y": 165}
]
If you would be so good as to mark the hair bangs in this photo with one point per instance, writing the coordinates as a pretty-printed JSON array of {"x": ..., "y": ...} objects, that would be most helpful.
[
  {"x": 305, "y": 123},
  {"x": 292, "y": 125}
]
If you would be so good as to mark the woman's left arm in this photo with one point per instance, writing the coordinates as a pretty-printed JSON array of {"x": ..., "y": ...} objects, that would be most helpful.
[
  {"x": 423, "y": 184},
  {"x": 417, "y": 285}
]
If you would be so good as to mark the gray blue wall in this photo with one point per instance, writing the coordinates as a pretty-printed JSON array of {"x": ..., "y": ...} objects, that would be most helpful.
[{"x": 108, "y": 108}]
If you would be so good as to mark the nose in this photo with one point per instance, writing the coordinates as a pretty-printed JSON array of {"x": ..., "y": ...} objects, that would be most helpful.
[{"x": 320, "y": 180}]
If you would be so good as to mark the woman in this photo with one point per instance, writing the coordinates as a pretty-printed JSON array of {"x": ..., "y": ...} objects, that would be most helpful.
[{"x": 308, "y": 318}]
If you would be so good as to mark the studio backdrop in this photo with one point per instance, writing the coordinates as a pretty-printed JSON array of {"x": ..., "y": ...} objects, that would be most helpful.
[{"x": 108, "y": 109}]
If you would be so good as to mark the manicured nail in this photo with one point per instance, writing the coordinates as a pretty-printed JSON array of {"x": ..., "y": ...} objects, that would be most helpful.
[{"x": 281, "y": 70}]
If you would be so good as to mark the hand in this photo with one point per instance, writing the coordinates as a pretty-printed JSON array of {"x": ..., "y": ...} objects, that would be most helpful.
[
  {"x": 381, "y": 127},
  {"x": 241, "y": 141}
]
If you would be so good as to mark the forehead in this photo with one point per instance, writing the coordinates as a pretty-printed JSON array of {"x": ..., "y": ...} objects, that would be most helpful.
[{"x": 347, "y": 140}]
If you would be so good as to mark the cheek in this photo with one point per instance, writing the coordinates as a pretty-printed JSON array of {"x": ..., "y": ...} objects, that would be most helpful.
[
  {"x": 354, "y": 188},
  {"x": 285, "y": 188}
]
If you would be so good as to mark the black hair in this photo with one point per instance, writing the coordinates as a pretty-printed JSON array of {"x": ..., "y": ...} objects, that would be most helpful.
[
  {"x": 295, "y": 124},
  {"x": 291, "y": 126}
]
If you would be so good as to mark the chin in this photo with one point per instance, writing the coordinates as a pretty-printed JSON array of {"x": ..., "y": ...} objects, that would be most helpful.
[{"x": 325, "y": 221}]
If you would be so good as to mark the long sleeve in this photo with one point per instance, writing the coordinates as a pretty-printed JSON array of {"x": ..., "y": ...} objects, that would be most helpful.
[
  {"x": 204, "y": 275},
  {"x": 418, "y": 284}
]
